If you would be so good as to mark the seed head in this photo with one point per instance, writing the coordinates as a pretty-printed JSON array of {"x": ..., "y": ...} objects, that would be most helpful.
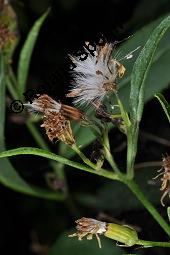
[
  {"x": 95, "y": 76},
  {"x": 57, "y": 127},
  {"x": 56, "y": 118}
]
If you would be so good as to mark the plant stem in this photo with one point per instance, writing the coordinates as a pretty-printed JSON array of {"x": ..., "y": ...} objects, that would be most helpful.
[
  {"x": 105, "y": 173},
  {"x": 139, "y": 194},
  {"x": 148, "y": 244},
  {"x": 46, "y": 154},
  {"x": 83, "y": 157},
  {"x": 132, "y": 140},
  {"x": 108, "y": 154}
]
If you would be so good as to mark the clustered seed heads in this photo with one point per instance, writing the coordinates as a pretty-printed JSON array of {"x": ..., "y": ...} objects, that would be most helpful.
[
  {"x": 95, "y": 76},
  {"x": 165, "y": 172}
]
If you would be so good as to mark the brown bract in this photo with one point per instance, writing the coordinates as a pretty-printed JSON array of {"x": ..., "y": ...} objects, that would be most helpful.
[{"x": 72, "y": 113}]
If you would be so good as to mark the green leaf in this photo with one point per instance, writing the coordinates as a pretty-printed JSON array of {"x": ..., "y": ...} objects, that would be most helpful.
[
  {"x": 168, "y": 212},
  {"x": 52, "y": 156},
  {"x": 165, "y": 104},
  {"x": 66, "y": 245},
  {"x": 26, "y": 52},
  {"x": 141, "y": 69},
  {"x": 137, "y": 92},
  {"x": 8, "y": 175}
]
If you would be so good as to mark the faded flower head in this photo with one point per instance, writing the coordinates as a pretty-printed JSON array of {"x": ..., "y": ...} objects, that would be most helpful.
[
  {"x": 56, "y": 118},
  {"x": 89, "y": 227},
  {"x": 95, "y": 76},
  {"x": 44, "y": 103},
  {"x": 57, "y": 127},
  {"x": 165, "y": 172}
]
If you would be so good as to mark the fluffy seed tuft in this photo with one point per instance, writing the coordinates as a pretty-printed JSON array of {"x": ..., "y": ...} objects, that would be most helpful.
[{"x": 94, "y": 76}]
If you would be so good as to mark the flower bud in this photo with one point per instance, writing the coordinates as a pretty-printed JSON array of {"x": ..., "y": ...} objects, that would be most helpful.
[{"x": 121, "y": 233}]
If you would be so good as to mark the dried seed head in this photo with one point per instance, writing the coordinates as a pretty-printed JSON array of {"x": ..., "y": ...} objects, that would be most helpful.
[
  {"x": 89, "y": 227},
  {"x": 95, "y": 76},
  {"x": 165, "y": 172},
  {"x": 56, "y": 118},
  {"x": 44, "y": 103},
  {"x": 57, "y": 127}
]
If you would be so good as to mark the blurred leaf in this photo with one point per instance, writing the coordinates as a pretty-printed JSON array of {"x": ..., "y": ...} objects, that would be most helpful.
[
  {"x": 107, "y": 198},
  {"x": 141, "y": 69},
  {"x": 8, "y": 175},
  {"x": 26, "y": 52},
  {"x": 168, "y": 212},
  {"x": 152, "y": 9},
  {"x": 165, "y": 104},
  {"x": 66, "y": 245}
]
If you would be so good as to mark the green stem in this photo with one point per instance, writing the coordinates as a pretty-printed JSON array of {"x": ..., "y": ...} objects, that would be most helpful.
[
  {"x": 132, "y": 140},
  {"x": 108, "y": 155},
  {"x": 105, "y": 173},
  {"x": 62, "y": 160},
  {"x": 147, "y": 204},
  {"x": 83, "y": 157},
  {"x": 148, "y": 244},
  {"x": 11, "y": 88}
]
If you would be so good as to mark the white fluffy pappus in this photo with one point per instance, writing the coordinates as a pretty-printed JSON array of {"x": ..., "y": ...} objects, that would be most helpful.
[{"x": 95, "y": 76}]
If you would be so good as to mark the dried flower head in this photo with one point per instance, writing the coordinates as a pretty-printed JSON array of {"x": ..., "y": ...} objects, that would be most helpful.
[
  {"x": 45, "y": 104},
  {"x": 56, "y": 118},
  {"x": 89, "y": 227},
  {"x": 57, "y": 127},
  {"x": 165, "y": 171},
  {"x": 95, "y": 76}
]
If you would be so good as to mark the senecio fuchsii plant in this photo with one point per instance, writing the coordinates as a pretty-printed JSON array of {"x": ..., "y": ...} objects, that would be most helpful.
[{"x": 96, "y": 73}]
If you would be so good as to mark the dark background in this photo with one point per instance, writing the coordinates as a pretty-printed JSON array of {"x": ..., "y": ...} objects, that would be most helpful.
[{"x": 69, "y": 24}]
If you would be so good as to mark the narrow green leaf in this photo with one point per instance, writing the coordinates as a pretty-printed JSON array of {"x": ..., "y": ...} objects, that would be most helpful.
[
  {"x": 165, "y": 104},
  {"x": 141, "y": 69},
  {"x": 137, "y": 92},
  {"x": 63, "y": 160},
  {"x": 8, "y": 175},
  {"x": 26, "y": 52}
]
